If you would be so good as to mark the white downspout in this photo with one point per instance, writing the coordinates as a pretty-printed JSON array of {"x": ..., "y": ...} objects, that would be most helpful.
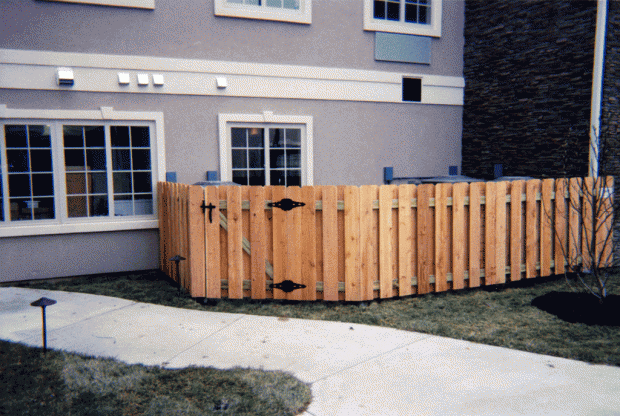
[{"x": 597, "y": 85}]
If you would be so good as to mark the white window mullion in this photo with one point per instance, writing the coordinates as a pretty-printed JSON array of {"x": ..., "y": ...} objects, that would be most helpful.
[
  {"x": 4, "y": 168},
  {"x": 267, "y": 156},
  {"x": 58, "y": 168},
  {"x": 109, "y": 171}
]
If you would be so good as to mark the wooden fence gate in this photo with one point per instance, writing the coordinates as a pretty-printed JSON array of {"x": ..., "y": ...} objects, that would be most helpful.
[{"x": 360, "y": 243}]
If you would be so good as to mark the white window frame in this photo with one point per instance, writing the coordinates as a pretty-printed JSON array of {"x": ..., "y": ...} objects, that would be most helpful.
[
  {"x": 136, "y": 4},
  {"x": 63, "y": 224},
  {"x": 268, "y": 120},
  {"x": 303, "y": 15},
  {"x": 380, "y": 25}
]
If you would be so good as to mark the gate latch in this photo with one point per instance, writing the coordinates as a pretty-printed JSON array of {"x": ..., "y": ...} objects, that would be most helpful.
[{"x": 286, "y": 204}]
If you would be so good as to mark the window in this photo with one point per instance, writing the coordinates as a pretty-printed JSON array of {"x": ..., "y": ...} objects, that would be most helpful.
[
  {"x": 71, "y": 176},
  {"x": 415, "y": 17},
  {"x": 266, "y": 156},
  {"x": 295, "y": 11},
  {"x": 260, "y": 150}
]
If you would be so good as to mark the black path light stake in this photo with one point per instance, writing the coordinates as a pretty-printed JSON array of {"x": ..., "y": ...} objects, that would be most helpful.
[
  {"x": 43, "y": 302},
  {"x": 177, "y": 259}
]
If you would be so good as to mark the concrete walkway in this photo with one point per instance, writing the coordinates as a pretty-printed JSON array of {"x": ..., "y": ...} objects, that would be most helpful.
[{"x": 354, "y": 369}]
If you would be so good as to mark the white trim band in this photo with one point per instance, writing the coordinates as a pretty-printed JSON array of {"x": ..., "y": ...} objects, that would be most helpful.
[{"x": 35, "y": 70}]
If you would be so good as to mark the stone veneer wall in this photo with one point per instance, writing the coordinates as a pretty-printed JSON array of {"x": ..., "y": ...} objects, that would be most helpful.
[{"x": 528, "y": 73}]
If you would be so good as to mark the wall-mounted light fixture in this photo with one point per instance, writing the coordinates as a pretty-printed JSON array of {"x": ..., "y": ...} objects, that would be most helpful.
[
  {"x": 143, "y": 79},
  {"x": 123, "y": 78},
  {"x": 158, "y": 80},
  {"x": 65, "y": 76},
  {"x": 221, "y": 82}
]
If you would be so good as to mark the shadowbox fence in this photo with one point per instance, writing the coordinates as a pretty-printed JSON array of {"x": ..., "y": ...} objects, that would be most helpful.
[{"x": 359, "y": 243}]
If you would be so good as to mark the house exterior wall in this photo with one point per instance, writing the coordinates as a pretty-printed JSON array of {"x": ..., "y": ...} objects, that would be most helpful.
[
  {"x": 190, "y": 29},
  {"x": 528, "y": 71},
  {"x": 325, "y": 70},
  {"x": 36, "y": 257}
]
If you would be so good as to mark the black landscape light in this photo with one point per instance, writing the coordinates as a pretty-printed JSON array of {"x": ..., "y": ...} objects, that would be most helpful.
[
  {"x": 43, "y": 302},
  {"x": 177, "y": 259}
]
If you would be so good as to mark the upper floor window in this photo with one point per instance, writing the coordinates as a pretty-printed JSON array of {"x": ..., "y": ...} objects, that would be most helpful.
[
  {"x": 71, "y": 175},
  {"x": 295, "y": 11},
  {"x": 415, "y": 17}
]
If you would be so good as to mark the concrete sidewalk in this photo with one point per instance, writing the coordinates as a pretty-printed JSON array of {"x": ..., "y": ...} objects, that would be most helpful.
[{"x": 354, "y": 369}]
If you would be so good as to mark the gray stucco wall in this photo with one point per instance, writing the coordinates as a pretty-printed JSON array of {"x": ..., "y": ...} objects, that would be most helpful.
[
  {"x": 352, "y": 141},
  {"x": 25, "y": 258},
  {"x": 189, "y": 29}
]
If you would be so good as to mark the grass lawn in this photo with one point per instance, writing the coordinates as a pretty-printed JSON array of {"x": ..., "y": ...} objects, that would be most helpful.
[{"x": 502, "y": 315}]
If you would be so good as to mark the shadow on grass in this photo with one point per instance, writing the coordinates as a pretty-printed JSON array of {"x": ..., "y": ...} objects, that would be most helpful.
[{"x": 60, "y": 383}]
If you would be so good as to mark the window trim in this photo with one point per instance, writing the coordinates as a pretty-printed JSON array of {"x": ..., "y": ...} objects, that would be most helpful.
[
  {"x": 266, "y": 118},
  {"x": 135, "y": 4},
  {"x": 377, "y": 25},
  {"x": 62, "y": 225},
  {"x": 303, "y": 15}
]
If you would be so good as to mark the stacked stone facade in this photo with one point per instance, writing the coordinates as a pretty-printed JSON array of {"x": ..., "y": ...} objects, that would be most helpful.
[{"x": 528, "y": 73}]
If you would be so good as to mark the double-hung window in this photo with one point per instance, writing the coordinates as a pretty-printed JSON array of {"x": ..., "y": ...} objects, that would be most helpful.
[
  {"x": 266, "y": 152},
  {"x": 294, "y": 11},
  {"x": 67, "y": 175},
  {"x": 415, "y": 17}
]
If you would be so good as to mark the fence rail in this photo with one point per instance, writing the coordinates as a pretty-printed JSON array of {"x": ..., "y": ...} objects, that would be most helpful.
[{"x": 360, "y": 243}]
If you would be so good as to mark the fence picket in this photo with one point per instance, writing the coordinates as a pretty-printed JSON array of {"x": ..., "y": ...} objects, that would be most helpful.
[
  {"x": 235, "y": 243},
  {"x": 279, "y": 241},
  {"x": 500, "y": 232},
  {"x": 606, "y": 212},
  {"x": 308, "y": 250},
  {"x": 405, "y": 240},
  {"x": 425, "y": 238},
  {"x": 293, "y": 242},
  {"x": 353, "y": 288},
  {"x": 516, "y": 229},
  {"x": 531, "y": 249},
  {"x": 196, "y": 242},
  {"x": 257, "y": 242},
  {"x": 385, "y": 241},
  {"x": 441, "y": 237},
  {"x": 475, "y": 232},
  {"x": 560, "y": 247},
  {"x": 574, "y": 216},
  {"x": 490, "y": 222},
  {"x": 368, "y": 241},
  {"x": 212, "y": 243},
  {"x": 330, "y": 243},
  {"x": 546, "y": 215},
  {"x": 459, "y": 191}
]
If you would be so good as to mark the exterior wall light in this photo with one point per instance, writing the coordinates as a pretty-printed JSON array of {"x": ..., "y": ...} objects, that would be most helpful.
[
  {"x": 221, "y": 82},
  {"x": 123, "y": 78},
  {"x": 143, "y": 79},
  {"x": 158, "y": 80},
  {"x": 65, "y": 76}
]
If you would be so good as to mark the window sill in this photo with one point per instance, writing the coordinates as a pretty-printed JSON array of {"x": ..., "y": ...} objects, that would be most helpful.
[{"x": 42, "y": 227}]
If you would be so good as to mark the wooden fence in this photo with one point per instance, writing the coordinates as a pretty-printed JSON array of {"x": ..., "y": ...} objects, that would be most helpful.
[{"x": 359, "y": 243}]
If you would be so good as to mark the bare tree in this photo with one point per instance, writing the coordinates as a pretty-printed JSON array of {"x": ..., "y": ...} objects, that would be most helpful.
[{"x": 591, "y": 219}]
